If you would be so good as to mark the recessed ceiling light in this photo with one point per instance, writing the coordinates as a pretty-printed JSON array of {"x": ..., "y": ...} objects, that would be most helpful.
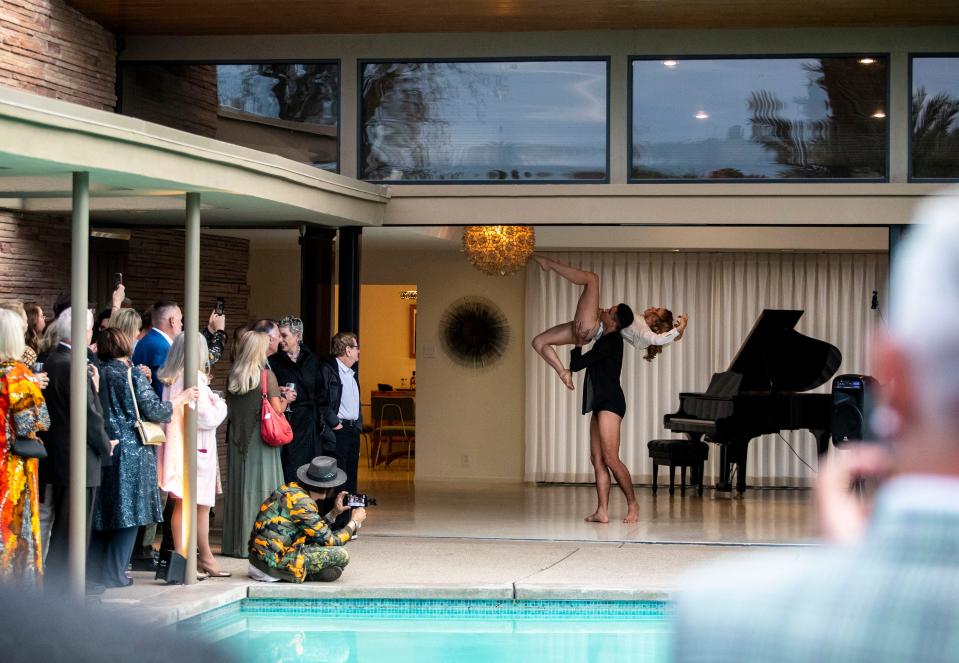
[
  {"x": 702, "y": 115},
  {"x": 867, "y": 61},
  {"x": 879, "y": 115},
  {"x": 670, "y": 63}
]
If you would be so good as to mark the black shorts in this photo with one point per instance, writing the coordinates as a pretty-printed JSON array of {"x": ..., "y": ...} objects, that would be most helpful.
[{"x": 614, "y": 405}]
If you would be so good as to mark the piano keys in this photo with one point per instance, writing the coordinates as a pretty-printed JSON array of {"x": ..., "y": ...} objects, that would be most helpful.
[{"x": 761, "y": 393}]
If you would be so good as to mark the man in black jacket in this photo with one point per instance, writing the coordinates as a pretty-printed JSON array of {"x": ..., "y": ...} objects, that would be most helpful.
[
  {"x": 340, "y": 411},
  {"x": 603, "y": 397},
  {"x": 55, "y": 468}
]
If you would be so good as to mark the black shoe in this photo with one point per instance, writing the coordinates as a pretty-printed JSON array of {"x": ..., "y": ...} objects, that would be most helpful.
[
  {"x": 144, "y": 563},
  {"x": 330, "y": 573}
]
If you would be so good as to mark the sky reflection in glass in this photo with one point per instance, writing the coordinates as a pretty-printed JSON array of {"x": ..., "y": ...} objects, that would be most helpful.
[
  {"x": 484, "y": 121},
  {"x": 758, "y": 118}
]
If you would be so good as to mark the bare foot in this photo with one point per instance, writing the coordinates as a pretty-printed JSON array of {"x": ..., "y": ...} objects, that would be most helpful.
[
  {"x": 632, "y": 514},
  {"x": 567, "y": 378},
  {"x": 542, "y": 262},
  {"x": 597, "y": 517}
]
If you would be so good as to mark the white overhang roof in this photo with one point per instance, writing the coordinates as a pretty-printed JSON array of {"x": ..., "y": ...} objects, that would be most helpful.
[{"x": 141, "y": 171}]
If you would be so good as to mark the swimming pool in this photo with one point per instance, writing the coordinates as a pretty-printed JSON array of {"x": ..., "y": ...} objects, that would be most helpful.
[{"x": 465, "y": 631}]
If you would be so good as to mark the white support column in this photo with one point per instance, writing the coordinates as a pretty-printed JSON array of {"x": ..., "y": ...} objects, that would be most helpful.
[
  {"x": 79, "y": 277},
  {"x": 191, "y": 366}
]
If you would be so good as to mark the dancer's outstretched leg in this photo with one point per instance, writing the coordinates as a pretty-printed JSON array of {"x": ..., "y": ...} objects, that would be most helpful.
[
  {"x": 609, "y": 432},
  {"x": 581, "y": 329},
  {"x": 601, "y": 515},
  {"x": 543, "y": 344},
  {"x": 586, "y": 320}
]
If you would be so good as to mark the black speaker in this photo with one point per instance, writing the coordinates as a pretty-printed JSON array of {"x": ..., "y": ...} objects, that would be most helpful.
[
  {"x": 171, "y": 567},
  {"x": 852, "y": 397}
]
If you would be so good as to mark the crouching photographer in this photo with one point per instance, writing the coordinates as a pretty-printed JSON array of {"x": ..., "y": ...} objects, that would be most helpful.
[{"x": 291, "y": 541}]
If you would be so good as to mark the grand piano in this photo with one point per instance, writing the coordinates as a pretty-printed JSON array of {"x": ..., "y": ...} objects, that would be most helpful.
[{"x": 761, "y": 393}]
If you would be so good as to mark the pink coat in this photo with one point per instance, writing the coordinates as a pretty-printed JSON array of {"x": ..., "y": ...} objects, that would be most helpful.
[{"x": 211, "y": 411}]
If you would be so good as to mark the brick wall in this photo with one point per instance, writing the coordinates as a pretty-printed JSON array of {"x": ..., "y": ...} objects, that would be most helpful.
[
  {"x": 49, "y": 48},
  {"x": 181, "y": 96}
]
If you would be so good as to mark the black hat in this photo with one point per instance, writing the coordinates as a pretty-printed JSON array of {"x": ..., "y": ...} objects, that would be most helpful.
[{"x": 321, "y": 472}]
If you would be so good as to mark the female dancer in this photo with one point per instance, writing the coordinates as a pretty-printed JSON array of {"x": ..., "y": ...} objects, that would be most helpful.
[{"x": 656, "y": 329}]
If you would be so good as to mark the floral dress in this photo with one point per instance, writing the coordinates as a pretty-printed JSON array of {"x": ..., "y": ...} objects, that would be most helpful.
[{"x": 22, "y": 413}]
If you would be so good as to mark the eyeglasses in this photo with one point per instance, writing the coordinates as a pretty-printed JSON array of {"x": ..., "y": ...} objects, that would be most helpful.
[{"x": 354, "y": 346}]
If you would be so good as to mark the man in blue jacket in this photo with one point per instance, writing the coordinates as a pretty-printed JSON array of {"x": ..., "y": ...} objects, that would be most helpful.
[{"x": 152, "y": 349}]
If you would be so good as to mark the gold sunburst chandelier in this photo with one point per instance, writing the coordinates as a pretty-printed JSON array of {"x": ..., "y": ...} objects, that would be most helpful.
[{"x": 498, "y": 250}]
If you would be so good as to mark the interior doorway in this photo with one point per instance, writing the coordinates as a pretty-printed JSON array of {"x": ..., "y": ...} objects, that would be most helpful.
[{"x": 388, "y": 382}]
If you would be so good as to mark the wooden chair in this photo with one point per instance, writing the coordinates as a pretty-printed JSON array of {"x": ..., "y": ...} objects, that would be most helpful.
[{"x": 393, "y": 417}]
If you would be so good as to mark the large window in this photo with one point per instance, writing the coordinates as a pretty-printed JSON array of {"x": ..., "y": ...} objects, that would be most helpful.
[
  {"x": 289, "y": 109},
  {"x": 759, "y": 118},
  {"x": 470, "y": 121},
  {"x": 935, "y": 117}
]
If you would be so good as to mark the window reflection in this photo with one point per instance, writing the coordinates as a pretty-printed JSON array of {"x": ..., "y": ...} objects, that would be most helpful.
[
  {"x": 759, "y": 118},
  {"x": 484, "y": 121},
  {"x": 935, "y": 117},
  {"x": 287, "y": 109}
]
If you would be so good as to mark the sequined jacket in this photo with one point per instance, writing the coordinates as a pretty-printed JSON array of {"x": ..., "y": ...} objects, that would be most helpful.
[{"x": 288, "y": 521}]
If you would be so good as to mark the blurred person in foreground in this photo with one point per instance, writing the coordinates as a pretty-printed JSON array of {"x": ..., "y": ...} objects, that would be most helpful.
[
  {"x": 291, "y": 541},
  {"x": 44, "y": 629},
  {"x": 23, "y": 413},
  {"x": 885, "y": 588}
]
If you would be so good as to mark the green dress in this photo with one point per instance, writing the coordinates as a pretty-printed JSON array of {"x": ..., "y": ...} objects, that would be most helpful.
[{"x": 254, "y": 470}]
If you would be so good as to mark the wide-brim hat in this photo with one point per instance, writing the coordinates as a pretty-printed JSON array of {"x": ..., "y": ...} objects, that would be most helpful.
[{"x": 321, "y": 472}]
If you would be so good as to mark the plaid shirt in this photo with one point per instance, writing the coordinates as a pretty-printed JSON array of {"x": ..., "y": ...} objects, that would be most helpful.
[
  {"x": 893, "y": 597},
  {"x": 288, "y": 521}
]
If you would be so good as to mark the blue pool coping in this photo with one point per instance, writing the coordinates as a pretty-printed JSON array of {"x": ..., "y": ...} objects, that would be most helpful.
[{"x": 386, "y": 608}]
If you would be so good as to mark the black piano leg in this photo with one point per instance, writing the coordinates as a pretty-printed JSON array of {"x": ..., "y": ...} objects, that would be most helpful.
[
  {"x": 682, "y": 485},
  {"x": 655, "y": 476},
  {"x": 723, "y": 485},
  {"x": 741, "y": 467},
  {"x": 672, "y": 478}
]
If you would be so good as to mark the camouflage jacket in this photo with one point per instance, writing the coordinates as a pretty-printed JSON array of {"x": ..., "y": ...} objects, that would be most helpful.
[{"x": 289, "y": 520}]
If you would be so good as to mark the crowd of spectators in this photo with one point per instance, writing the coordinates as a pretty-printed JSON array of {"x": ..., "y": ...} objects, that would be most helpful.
[{"x": 135, "y": 373}]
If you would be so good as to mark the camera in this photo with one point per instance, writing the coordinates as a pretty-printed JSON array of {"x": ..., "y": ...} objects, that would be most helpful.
[
  {"x": 361, "y": 500},
  {"x": 220, "y": 304},
  {"x": 117, "y": 280}
]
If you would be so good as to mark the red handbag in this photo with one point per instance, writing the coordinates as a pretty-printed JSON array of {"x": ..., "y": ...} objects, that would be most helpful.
[{"x": 274, "y": 428}]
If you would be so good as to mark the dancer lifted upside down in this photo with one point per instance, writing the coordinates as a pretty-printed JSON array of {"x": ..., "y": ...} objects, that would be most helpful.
[{"x": 654, "y": 330}]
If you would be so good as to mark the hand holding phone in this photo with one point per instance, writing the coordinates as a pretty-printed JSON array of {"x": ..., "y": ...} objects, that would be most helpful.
[{"x": 842, "y": 505}]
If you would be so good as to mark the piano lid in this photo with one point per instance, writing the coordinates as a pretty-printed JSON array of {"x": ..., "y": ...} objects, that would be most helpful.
[{"x": 775, "y": 357}]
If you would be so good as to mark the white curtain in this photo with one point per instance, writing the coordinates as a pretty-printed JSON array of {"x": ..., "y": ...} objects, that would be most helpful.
[{"x": 723, "y": 293}]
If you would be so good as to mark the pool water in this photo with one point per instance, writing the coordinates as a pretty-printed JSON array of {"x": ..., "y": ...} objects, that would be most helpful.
[{"x": 401, "y": 631}]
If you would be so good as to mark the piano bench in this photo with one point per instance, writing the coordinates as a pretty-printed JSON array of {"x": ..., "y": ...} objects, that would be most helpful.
[{"x": 684, "y": 453}]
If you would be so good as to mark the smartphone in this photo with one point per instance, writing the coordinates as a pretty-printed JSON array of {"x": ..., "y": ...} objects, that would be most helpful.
[
  {"x": 354, "y": 501},
  {"x": 117, "y": 280},
  {"x": 220, "y": 304}
]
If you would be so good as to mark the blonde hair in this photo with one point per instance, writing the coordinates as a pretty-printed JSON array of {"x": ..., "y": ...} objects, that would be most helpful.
[
  {"x": 127, "y": 321},
  {"x": 250, "y": 360},
  {"x": 11, "y": 335},
  {"x": 16, "y": 307},
  {"x": 172, "y": 368}
]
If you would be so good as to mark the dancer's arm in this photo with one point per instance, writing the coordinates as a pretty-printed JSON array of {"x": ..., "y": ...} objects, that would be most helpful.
[{"x": 640, "y": 334}]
